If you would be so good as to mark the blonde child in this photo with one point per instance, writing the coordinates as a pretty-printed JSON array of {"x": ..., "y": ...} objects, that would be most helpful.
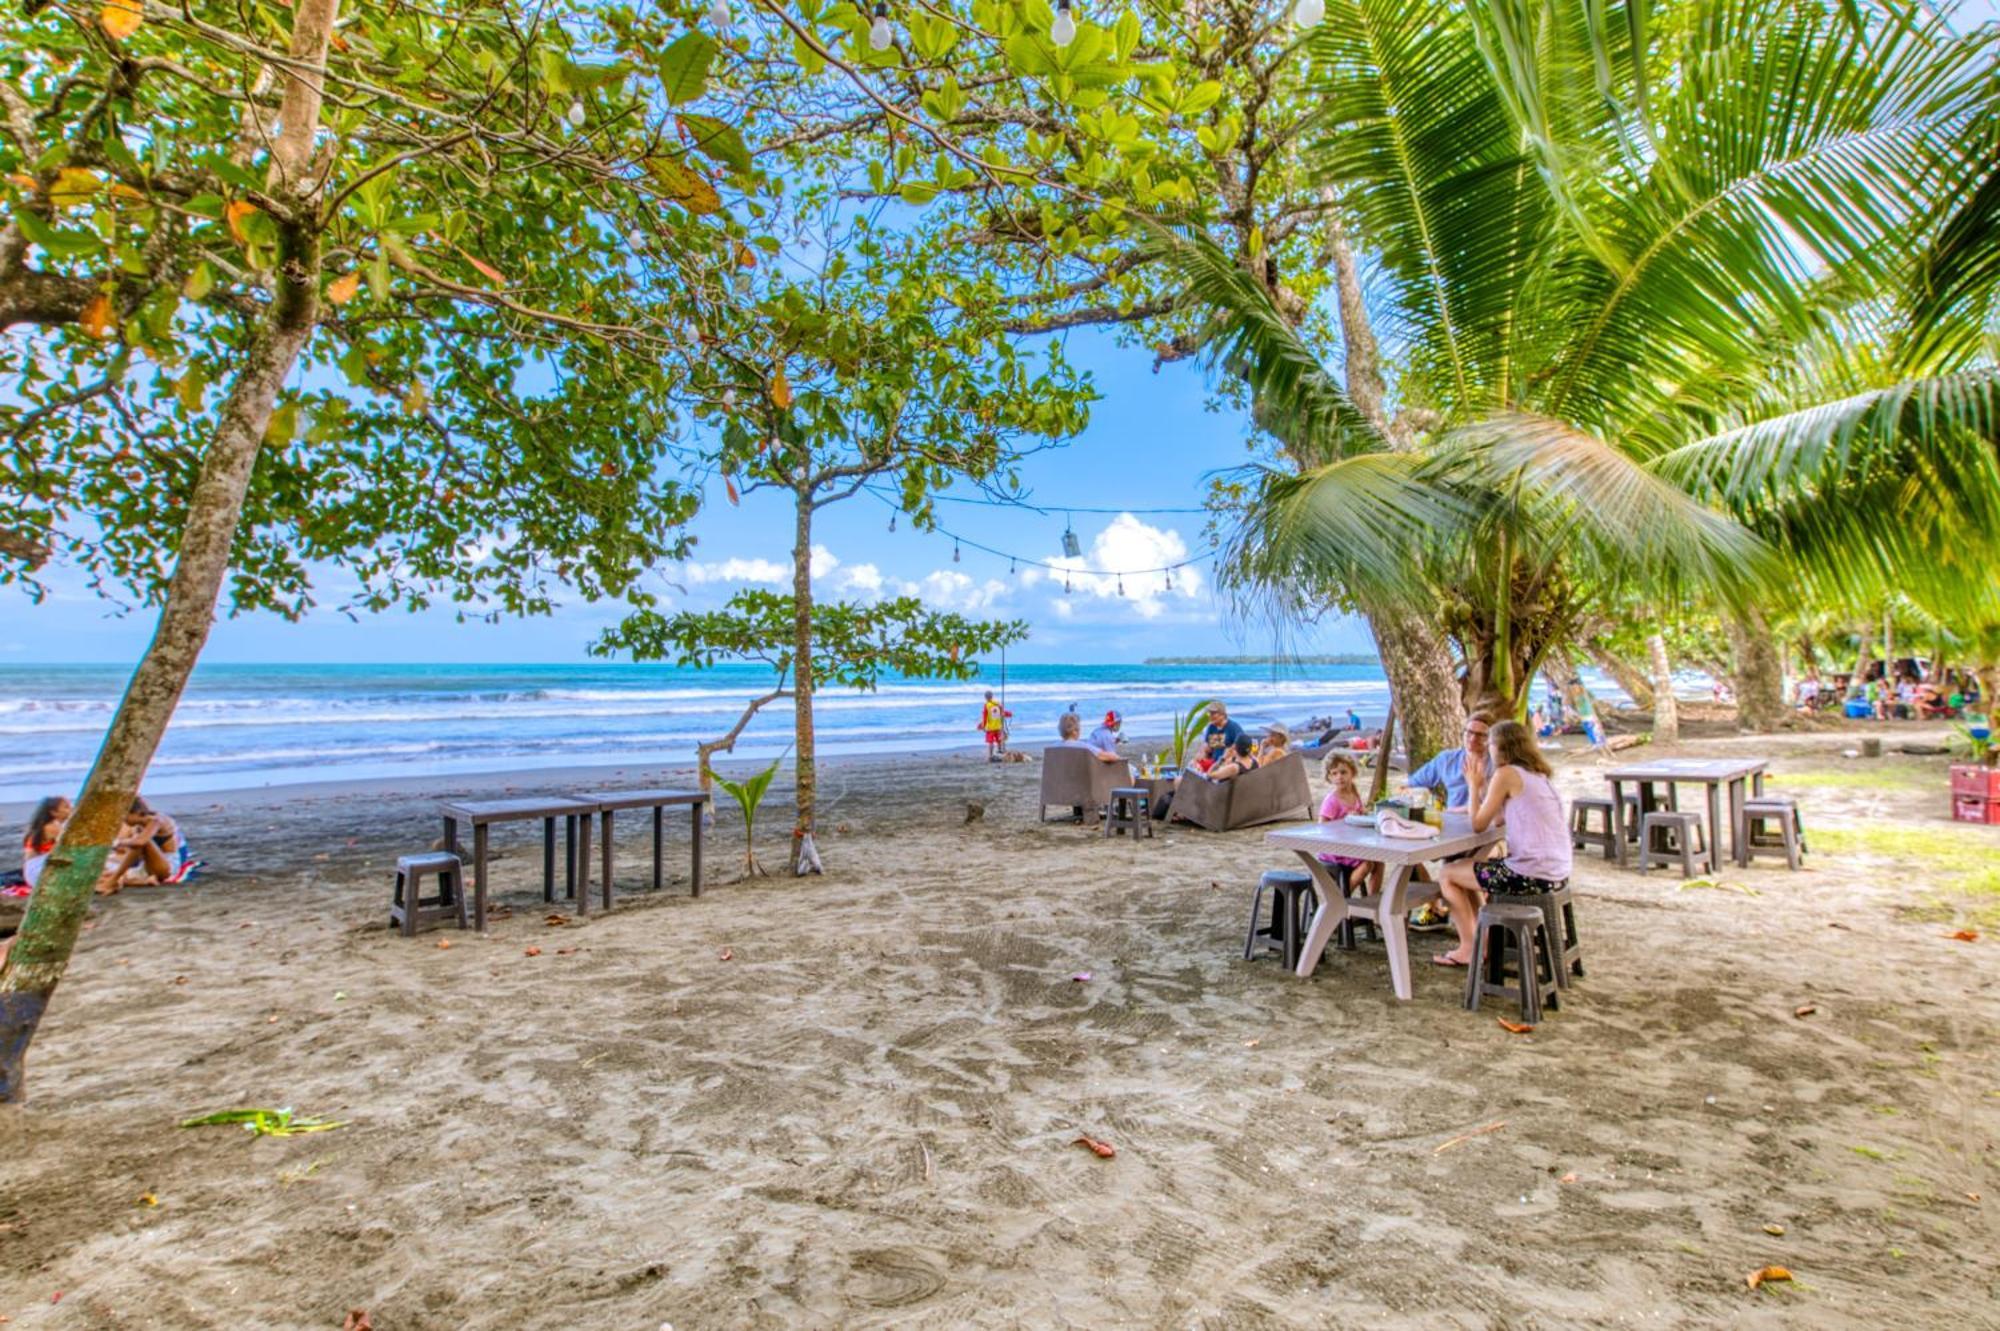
[{"x": 1344, "y": 798}]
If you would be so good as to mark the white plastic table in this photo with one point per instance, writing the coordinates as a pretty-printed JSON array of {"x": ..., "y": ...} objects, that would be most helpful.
[{"x": 1400, "y": 893}]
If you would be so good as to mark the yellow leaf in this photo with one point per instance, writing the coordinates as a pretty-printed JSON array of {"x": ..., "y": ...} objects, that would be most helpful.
[
  {"x": 98, "y": 316},
  {"x": 684, "y": 185},
  {"x": 73, "y": 185},
  {"x": 234, "y": 215},
  {"x": 342, "y": 288},
  {"x": 781, "y": 392},
  {"x": 1758, "y": 1277},
  {"x": 745, "y": 257},
  {"x": 121, "y": 18},
  {"x": 729, "y": 485},
  {"x": 22, "y": 180}
]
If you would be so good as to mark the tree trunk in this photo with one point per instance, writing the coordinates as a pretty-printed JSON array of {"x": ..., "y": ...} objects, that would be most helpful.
[
  {"x": 1666, "y": 711},
  {"x": 1420, "y": 679},
  {"x": 61, "y": 899},
  {"x": 1760, "y": 685},
  {"x": 1637, "y": 687},
  {"x": 805, "y": 856},
  {"x": 707, "y": 749},
  {"x": 1864, "y": 656}
]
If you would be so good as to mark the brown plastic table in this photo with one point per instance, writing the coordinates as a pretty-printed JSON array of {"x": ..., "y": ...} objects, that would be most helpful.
[
  {"x": 1714, "y": 773},
  {"x": 608, "y": 802},
  {"x": 481, "y": 814},
  {"x": 1388, "y": 908}
]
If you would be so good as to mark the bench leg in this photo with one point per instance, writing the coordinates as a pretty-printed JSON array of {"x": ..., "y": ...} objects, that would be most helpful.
[
  {"x": 604, "y": 830},
  {"x": 697, "y": 850},
  {"x": 479, "y": 877},
  {"x": 659, "y": 840}
]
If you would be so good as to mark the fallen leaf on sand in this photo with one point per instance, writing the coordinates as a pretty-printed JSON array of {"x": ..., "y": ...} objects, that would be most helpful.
[
  {"x": 1476, "y": 1132},
  {"x": 357, "y": 1320},
  {"x": 531, "y": 952},
  {"x": 1972, "y": 1196},
  {"x": 1964, "y": 936},
  {"x": 1251, "y": 1044},
  {"x": 556, "y": 921},
  {"x": 271, "y": 1020},
  {"x": 1775, "y": 1231},
  {"x": 443, "y": 943},
  {"x": 1762, "y": 1274},
  {"x": 1515, "y": 1027},
  {"x": 1104, "y": 1149},
  {"x": 1568, "y": 1178},
  {"x": 1081, "y": 977},
  {"x": 1836, "y": 924},
  {"x": 147, "y": 1199},
  {"x": 180, "y": 979},
  {"x": 564, "y": 951},
  {"x": 725, "y": 955},
  {"x": 1805, "y": 1009}
]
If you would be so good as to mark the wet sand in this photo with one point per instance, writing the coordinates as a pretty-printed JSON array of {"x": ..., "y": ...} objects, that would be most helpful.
[{"x": 853, "y": 1101}]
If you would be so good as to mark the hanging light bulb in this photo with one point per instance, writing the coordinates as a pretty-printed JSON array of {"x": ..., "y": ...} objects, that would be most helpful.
[
  {"x": 1121, "y": 584},
  {"x": 1065, "y": 584},
  {"x": 1064, "y": 28},
  {"x": 636, "y": 238},
  {"x": 892, "y": 522},
  {"x": 1071, "y": 546},
  {"x": 1010, "y": 566},
  {"x": 954, "y": 550},
  {"x": 576, "y": 113},
  {"x": 719, "y": 15},
  {"x": 1170, "y": 582},
  {"x": 1308, "y": 13},
  {"x": 879, "y": 32}
]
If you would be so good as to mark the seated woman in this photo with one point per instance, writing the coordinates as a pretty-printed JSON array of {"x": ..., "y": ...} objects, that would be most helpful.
[
  {"x": 44, "y": 827},
  {"x": 1238, "y": 759},
  {"x": 1518, "y": 792},
  {"x": 149, "y": 851},
  {"x": 1277, "y": 743}
]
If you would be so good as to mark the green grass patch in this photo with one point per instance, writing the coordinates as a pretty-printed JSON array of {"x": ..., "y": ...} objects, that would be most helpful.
[{"x": 1964, "y": 852}]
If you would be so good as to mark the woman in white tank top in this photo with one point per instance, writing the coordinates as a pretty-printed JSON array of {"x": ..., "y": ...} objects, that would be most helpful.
[{"x": 1512, "y": 786}]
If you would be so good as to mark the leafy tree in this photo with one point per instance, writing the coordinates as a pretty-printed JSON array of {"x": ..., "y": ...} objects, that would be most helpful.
[
  {"x": 852, "y": 645},
  {"x": 357, "y": 288}
]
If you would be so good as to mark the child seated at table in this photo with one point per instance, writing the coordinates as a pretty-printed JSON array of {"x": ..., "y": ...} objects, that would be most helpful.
[{"x": 1344, "y": 798}]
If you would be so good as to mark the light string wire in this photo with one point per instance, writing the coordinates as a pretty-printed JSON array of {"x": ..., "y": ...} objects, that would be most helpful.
[{"x": 1068, "y": 569}]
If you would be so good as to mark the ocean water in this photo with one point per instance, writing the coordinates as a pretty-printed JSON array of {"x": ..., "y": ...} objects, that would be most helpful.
[{"x": 249, "y": 725}]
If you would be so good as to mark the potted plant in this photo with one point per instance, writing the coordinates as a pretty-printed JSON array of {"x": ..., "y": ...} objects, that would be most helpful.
[{"x": 1188, "y": 726}]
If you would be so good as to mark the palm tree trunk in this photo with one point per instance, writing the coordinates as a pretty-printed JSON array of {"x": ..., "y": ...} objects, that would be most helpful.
[
  {"x": 1636, "y": 685},
  {"x": 1760, "y": 684},
  {"x": 40, "y": 955},
  {"x": 805, "y": 855},
  {"x": 1666, "y": 711},
  {"x": 1420, "y": 679}
]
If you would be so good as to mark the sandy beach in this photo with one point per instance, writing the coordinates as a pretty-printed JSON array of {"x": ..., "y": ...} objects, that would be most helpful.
[{"x": 854, "y": 1101}]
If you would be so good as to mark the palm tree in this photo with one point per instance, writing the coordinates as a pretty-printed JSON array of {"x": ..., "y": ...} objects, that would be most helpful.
[{"x": 1597, "y": 232}]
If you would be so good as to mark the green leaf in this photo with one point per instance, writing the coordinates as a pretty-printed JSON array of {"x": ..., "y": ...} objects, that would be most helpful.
[
  {"x": 716, "y": 139},
  {"x": 683, "y": 67},
  {"x": 1027, "y": 56}
]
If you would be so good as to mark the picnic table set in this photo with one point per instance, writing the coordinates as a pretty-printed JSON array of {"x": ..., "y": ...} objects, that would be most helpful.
[
  {"x": 1640, "y": 819},
  {"x": 410, "y": 908}
]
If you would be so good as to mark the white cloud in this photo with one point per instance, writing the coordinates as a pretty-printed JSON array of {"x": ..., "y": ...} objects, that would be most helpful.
[
  {"x": 822, "y": 562},
  {"x": 1115, "y": 565},
  {"x": 764, "y": 571},
  {"x": 863, "y": 579}
]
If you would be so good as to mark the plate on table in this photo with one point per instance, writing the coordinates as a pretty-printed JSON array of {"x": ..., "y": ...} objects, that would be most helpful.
[{"x": 1359, "y": 820}]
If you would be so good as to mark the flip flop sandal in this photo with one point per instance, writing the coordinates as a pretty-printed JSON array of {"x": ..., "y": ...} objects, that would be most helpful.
[{"x": 1442, "y": 960}]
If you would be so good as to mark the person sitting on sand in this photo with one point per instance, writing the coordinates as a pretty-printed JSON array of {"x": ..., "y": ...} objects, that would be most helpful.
[
  {"x": 1344, "y": 798},
  {"x": 1520, "y": 793},
  {"x": 149, "y": 851},
  {"x": 45, "y": 826}
]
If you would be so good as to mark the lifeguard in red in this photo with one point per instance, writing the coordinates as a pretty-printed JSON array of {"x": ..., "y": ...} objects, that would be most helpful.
[{"x": 993, "y": 724}]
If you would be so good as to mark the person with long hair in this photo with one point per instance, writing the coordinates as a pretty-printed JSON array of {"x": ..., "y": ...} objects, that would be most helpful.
[
  {"x": 45, "y": 824},
  {"x": 1513, "y": 786},
  {"x": 150, "y": 850}
]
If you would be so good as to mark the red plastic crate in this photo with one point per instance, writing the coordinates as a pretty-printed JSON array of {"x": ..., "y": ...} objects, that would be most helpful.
[
  {"x": 1975, "y": 779},
  {"x": 1973, "y": 809}
]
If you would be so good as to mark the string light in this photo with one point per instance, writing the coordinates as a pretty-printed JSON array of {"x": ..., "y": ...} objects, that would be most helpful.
[
  {"x": 1064, "y": 29},
  {"x": 1072, "y": 548},
  {"x": 1308, "y": 13},
  {"x": 719, "y": 16},
  {"x": 1065, "y": 584},
  {"x": 1121, "y": 584},
  {"x": 954, "y": 550},
  {"x": 879, "y": 32},
  {"x": 576, "y": 113},
  {"x": 1010, "y": 566},
  {"x": 892, "y": 522}
]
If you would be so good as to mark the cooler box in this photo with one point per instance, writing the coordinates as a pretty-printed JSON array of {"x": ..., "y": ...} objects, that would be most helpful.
[
  {"x": 1975, "y": 779},
  {"x": 1972, "y": 809},
  {"x": 1859, "y": 709}
]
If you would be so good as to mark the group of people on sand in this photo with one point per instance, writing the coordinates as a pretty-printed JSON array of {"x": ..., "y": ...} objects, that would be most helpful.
[
  {"x": 1907, "y": 696},
  {"x": 1496, "y": 775},
  {"x": 149, "y": 850}
]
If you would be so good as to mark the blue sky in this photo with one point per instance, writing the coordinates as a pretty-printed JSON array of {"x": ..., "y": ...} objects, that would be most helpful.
[{"x": 1150, "y": 443}]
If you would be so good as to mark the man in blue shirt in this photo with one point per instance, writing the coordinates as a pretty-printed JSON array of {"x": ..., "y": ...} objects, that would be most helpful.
[
  {"x": 1219, "y": 738},
  {"x": 1447, "y": 769}
]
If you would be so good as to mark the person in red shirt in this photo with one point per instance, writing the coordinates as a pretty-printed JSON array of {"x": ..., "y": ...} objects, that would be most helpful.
[{"x": 993, "y": 724}]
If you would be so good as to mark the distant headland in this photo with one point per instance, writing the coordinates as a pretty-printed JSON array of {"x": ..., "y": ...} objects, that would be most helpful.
[{"x": 1338, "y": 658}]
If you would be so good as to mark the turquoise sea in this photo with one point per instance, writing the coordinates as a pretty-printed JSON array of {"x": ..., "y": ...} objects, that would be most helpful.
[{"x": 255, "y": 725}]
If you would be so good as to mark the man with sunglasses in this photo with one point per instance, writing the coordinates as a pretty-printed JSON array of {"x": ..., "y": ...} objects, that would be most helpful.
[{"x": 1447, "y": 769}]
